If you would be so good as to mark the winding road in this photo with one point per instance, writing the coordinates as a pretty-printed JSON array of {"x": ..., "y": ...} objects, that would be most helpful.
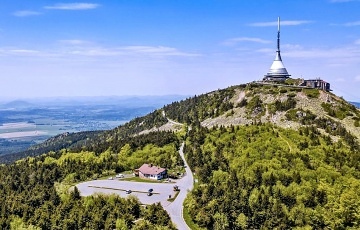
[{"x": 175, "y": 209}]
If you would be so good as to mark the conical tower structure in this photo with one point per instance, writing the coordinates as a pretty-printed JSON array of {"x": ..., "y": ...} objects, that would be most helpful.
[{"x": 277, "y": 70}]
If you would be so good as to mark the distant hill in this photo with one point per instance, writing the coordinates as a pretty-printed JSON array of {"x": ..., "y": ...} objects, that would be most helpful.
[
  {"x": 17, "y": 104},
  {"x": 130, "y": 101},
  {"x": 357, "y": 104}
]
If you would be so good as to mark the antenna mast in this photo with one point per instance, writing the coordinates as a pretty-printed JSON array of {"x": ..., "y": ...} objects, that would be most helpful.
[{"x": 278, "y": 36}]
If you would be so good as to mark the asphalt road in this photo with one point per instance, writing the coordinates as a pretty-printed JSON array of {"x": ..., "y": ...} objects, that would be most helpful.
[
  {"x": 175, "y": 209},
  {"x": 161, "y": 192}
]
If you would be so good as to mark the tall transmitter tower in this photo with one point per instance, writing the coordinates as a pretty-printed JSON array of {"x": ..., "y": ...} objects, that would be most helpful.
[{"x": 277, "y": 70}]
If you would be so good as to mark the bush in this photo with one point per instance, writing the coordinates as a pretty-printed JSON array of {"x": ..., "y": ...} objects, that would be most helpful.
[
  {"x": 335, "y": 111},
  {"x": 312, "y": 93},
  {"x": 271, "y": 91},
  {"x": 291, "y": 115},
  {"x": 356, "y": 123},
  {"x": 291, "y": 95},
  {"x": 242, "y": 103}
]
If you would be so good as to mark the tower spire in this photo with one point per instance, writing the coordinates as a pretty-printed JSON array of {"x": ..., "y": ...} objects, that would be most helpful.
[
  {"x": 277, "y": 70},
  {"x": 278, "y": 36}
]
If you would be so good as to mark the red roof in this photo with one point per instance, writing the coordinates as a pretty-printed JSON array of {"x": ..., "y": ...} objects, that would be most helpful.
[{"x": 151, "y": 169}]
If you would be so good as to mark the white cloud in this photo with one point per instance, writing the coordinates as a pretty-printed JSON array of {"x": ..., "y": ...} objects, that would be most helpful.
[
  {"x": 339, "y": 1},
  {"x": 24, "y": 51},
  {"x": 94, "y": 52},
  {"x": 283, "y": 23},
  {"x": 74, "y": 42},
  {"x": 233, "y": 41},
  {"x": 356, "y": 23},
  {"x": 72, "y": 6},
  {"x": 87, "y": 48},
  {"x": 157, "y": 51},
  {"x": 25, "y": 13},
  {"x": 347, "y": 24},
  {"x": 343, "y": 52}
]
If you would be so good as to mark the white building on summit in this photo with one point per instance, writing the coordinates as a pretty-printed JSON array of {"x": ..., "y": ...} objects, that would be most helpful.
[{"x": 277, "y": 70}]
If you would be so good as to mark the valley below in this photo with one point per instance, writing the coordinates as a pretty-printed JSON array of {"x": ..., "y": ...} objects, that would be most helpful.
[{"x": 23, "y": 124}]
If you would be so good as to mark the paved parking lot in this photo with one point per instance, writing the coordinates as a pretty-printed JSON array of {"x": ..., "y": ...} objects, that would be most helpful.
[{"x": 161, "y": 191}]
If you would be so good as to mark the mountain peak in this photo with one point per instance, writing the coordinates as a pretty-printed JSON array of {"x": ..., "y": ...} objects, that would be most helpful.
[{"x": 286, "y": 106}]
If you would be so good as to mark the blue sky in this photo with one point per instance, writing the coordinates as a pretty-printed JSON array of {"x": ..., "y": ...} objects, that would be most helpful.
[{"x": 157, "y": 47}]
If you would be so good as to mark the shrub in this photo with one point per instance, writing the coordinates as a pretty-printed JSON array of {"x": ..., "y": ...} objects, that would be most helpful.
[
  {"x": 356, "y": 123},
  {"x": 242, "y": 103},
  {"x": 271, "y": 91},
  {"x": 312, "y": 93},
  {"x": 291, "y": 115},
  {"x": 336, "y": 111}
]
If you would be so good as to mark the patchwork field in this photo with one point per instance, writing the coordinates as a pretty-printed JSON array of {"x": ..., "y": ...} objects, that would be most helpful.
[
  {"x": 21, "y": 128},
  {"x": 25, "y": 123}
]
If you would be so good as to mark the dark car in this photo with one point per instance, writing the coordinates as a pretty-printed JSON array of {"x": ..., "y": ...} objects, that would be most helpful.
[
  {"x": 150, "y": 190},
  {"x": 149, "y": 193},
  {"x": 128, "y": 191}
]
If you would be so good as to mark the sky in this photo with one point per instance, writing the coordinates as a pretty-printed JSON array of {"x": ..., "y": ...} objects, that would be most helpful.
[{"x": 160, "y": 47}]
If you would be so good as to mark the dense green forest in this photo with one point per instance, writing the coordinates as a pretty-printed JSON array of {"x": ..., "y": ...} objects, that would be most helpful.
[
  {"x": 55, "y": 143},
  {"x": 265, "y": 177},
  {"x": 293, "y": 163},
  {"x": 34, "y": 192},
  {"x": 198, "y": 108}
]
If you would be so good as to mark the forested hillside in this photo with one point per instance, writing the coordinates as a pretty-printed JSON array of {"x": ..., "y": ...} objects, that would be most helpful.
[
  {"x": 265, "y": 177},
  {"x": 265, "y": 157},
  {"x": 97, "y": 141},
  {"x": 34, "y": 192},
  {"x": 198, "y": 108},
  {"x": 287, "y": 107},
  {"x": 55, "y": 143}
]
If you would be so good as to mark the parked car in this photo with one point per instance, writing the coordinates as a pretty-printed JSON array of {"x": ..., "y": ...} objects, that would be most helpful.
[
  {"x": 111, "y": 178},
  {"x": 149, "y": 193},
  {"x": 119, "y": 176},
  {"x": 150, "y": 190},
  {"x": 128, "y": 191}
]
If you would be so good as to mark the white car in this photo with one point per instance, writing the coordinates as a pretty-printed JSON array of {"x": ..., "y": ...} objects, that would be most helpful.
[{"x": 119, "y": 176}]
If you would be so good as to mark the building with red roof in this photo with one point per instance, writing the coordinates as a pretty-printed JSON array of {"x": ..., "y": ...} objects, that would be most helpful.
[{"x": 152, "y": 172}]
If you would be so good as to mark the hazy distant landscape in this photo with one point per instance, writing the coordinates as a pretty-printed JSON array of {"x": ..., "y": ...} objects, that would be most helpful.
[
  {"x": 27, "y": 122},
  {"x": 357, "y": 104}
]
